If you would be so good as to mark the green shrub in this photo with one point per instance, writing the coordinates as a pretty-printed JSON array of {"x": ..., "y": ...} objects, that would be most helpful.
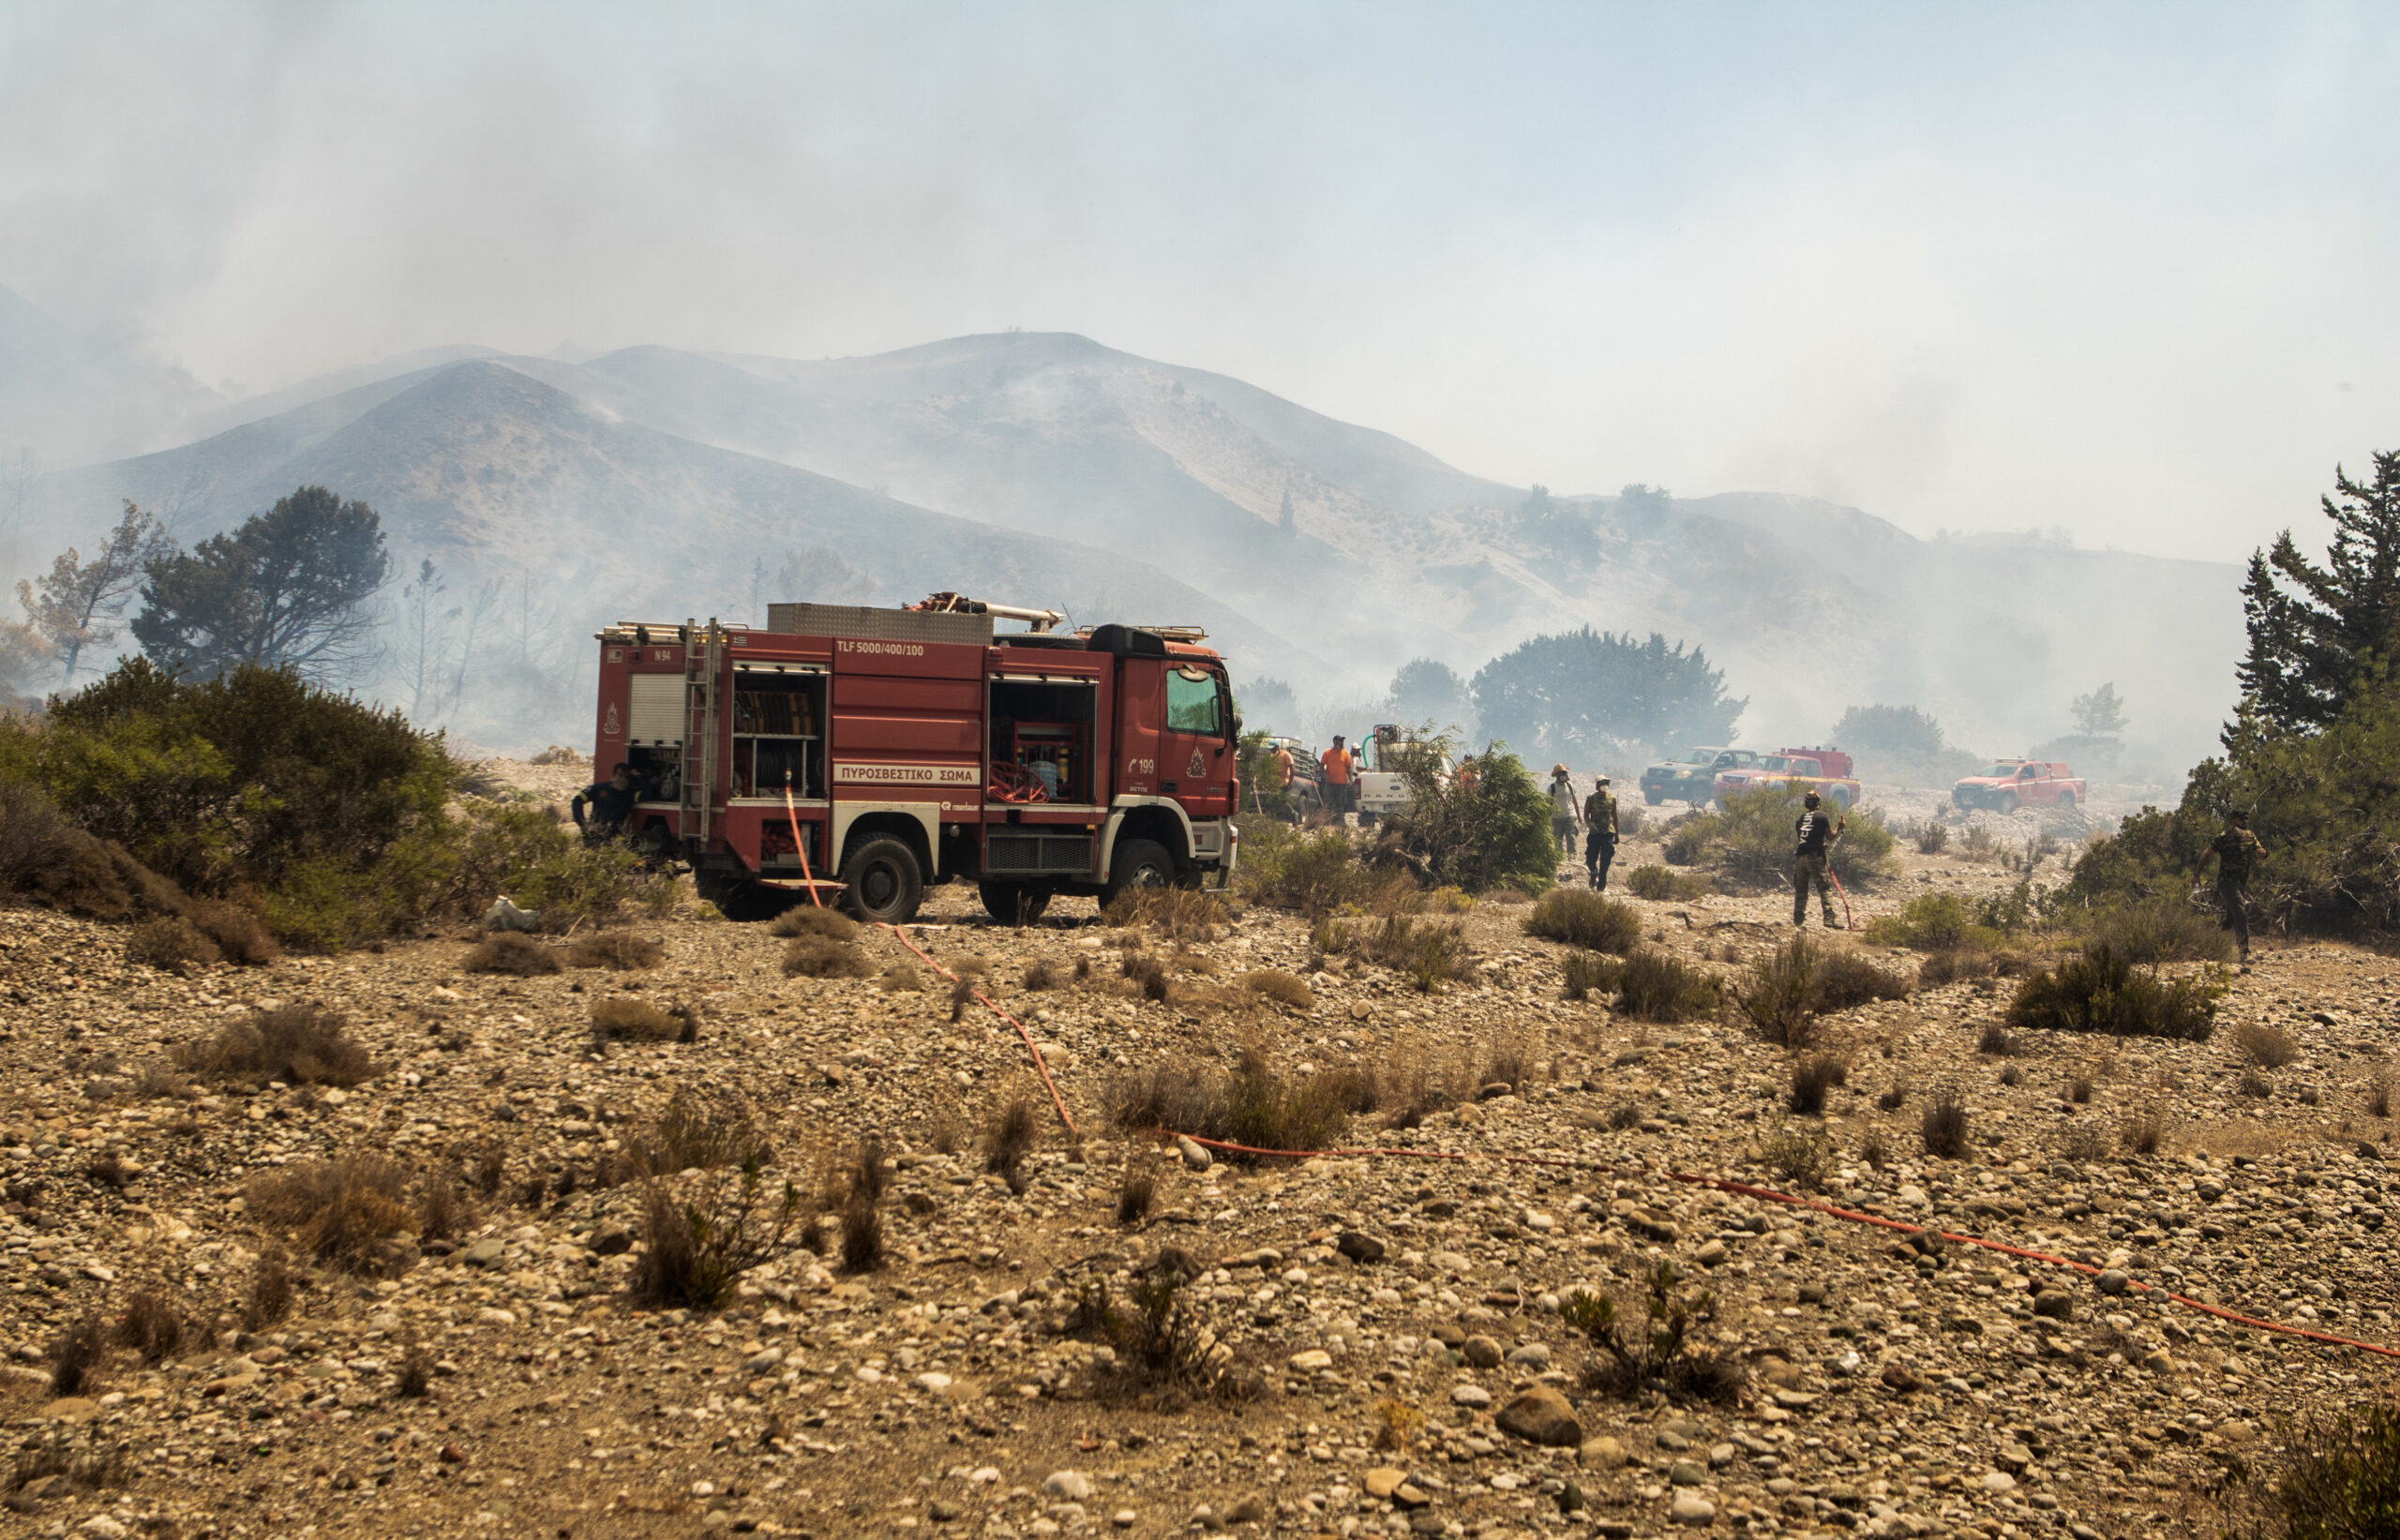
[
  {"x": 2340, "y": 1480},
  {"x": 1934, "y": 922},
  {"x": 1841, "y": 979},
  {"x": 1286, "y": 868},
  {"x": 1586, "y": 919},
  {"x": 2100, "y": 991},
  {"x": 1428, "y": 951},
  {"x": 1492, "y": 831}
]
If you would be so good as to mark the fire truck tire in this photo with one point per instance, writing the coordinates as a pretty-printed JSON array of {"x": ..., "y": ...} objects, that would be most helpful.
[
  {"x": 2066, "y": 802},
  {"x": 1839, "y": 798},
  {"x": 1653, "y": 798},
  {"x": 884, "y": 884},
  {"x": 1140, "y": 864},
  {"x": 2007, "y": 801},
  {"x": 1002, "y": 900}
]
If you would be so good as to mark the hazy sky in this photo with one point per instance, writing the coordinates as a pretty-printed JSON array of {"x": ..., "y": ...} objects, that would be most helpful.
[{"x": 2129, "y": 270}]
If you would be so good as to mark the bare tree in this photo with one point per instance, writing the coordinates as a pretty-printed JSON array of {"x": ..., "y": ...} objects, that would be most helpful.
[
  {"x": 475, "y": 623},
  {"x": 425, "y": 640},
  {"x": 79, "y": 604}
]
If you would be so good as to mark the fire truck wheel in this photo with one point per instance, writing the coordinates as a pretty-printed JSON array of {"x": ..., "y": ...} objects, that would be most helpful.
[
  {"x": 884, "y": 882},
  {"x": 2066, "y": 800},
  {"x": 2008, "y": 801},
  {"x": 1140, "y": 864},
  {"x": 1011, "y": 902}
]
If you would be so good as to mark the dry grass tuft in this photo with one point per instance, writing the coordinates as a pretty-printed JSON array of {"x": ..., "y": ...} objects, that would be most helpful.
[
  {"x": 620, "y": 949},
  {"x": 1276, "y": 984},
  {"x": 1178, "y": 914},
  {"x": 1038, "y": 975},
  {"x": 268, "y": 1298},
  {"x": 351, "y": 1211},
  {"x": 2266, "y": 1046},
  {"x": 1811, "y": 1079},
  {"x": 1656, "y": 985},
  {"x": 822, "y": 957},
  {"x": 1955, "y": 965},
  {"x": 512, "y": 952},
  {"x": 701, "y": 1239},
  {"x": 169, "y": 943},
  {"x": 624, "y": 1019},
  {"x": 2144, "y": 1132},
  {"x": 1584, "y": 920},
  {"x": 151, "y": 1326},
  {"x": 1943, "y": 1127},
  {"x": 808, "y": 919},
  {"x": 1259, "y": 1105},
  {"x": 1997, "y": 1038},
  {"x": 695, "y": 1132},
  {"x": 1009, "y": 1135},
  {"x": 297, "y": 1044},
  {"x": 1136, "y": 1194},
  {"x": 76, "y": 1355}
]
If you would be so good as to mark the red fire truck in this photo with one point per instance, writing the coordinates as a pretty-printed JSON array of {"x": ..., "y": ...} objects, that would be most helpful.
[{"x": 868, "y": 752}]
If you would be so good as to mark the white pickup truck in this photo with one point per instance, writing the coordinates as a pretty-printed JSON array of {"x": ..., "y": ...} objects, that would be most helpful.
[{"x": 1382, "y": 786}]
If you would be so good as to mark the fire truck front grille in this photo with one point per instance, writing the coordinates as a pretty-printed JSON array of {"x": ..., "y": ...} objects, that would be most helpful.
[{"x": 1038, "y": 850}]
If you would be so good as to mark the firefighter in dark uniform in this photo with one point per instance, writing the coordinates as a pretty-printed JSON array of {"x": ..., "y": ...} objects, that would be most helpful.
[
  {"x": 1816, "y": 832},
  {"x": 611, "y": 802},
  {"x": 1599, "y": 833},
  {"x": 2234, "y": 851}
]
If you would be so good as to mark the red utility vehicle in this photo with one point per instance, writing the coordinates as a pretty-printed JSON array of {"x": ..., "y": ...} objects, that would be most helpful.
[
  {"x": 1825, "y": 771},
  {"x": 2007, "y": 784},
  {"x": 869, "y": 751}
]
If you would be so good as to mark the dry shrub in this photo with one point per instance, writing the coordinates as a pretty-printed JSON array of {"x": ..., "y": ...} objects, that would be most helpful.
[
  {"x": 1160, "y": 1349},
  {"x": 47, "y": 861},
  {"x": 345, "y": 1210},
  {"x": 1255, "y": 1104},
  {"x": 1584, "y": 920},
  {"x": 1178, "y": 914},
  {"x": 1009, "y": 1135},
  {"x": 623, "y": 1018},
  {"x": 1775, "y": 995},
  {"x": 622, "y": 950},
  {"x": 151, "y": 1326},
  {"x": 512, "y": 952},
  {"x": 2078, "y": 1090},
  {"x": 2378, "y": 1092},
  {"x": 441, "y": 1210},
  {"x": 903, "y": 978},
  {"x": 808, "y": 919},
  {"x": 1956, "y": 963},
  {"x": 1932, "y": 837},
  {"x": 694, "y": 1132},
  {"x": 1146, "y": 973},
  {"x": 2339, "y": 1480},
  {"x": 1136, "y": 1194},
  {"x": 861, "y": 1218},
  {"x": 1657, "y": 882},
  {"x": 297, "y": 1044},
  {"x": 1800, "y": 1156},
  {"x": 1811, "y": 1079},
  {"x": 1586, "y": 973},
  {"x": 2144, "y": 1130},
  {"x": 1998, "y": 1040},
  {"x": 2253, "y": 1084},
  {"x": 1943, "y": 1127},
  {"x": 1038, "y": 976},
  {"x": 76, "y": 1353},
  {"x": 1894, "y": 1098},
  {"x": 962, "y": 994},
  {"x": 699, "y": 1241},
  {"x": 1843, "y": 980},
  {"x": 1656, "y": 985},
  {"x": 2100, "y": 991},
  {"x": 1312, "y": 873},
  {"x": 1428, "y": 952},
  {"x": 1663, "y": 1352},
  {"x": 2145, "y": 935},
  {"x": 268, "y": 1298},
  {"x": 2265, "y": 1045},
  {"x": 1276, "y": 984},
  {"x": 822, "y": 957},
  {"x": 1871, "y": 1149},
  {"x": 1397, "y": 1423},
  {"x": 237, "y": 932},
  {"x": 415, "y": 1376},
  {"x": 170, "y": 942}
]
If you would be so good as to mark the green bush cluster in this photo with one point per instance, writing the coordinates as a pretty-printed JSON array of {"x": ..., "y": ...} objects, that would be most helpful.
[
  {"x": 2100, "y": 991},
  {"x": 1475, "y": 831},
  {"x": 327, "y": 816},
  {"x": 1287, "y": 868}
]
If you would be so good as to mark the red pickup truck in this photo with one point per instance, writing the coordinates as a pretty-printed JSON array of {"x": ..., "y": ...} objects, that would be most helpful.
[
  {"x": 1820, "y": 769},
  {"x": 2007, "y": 784}
]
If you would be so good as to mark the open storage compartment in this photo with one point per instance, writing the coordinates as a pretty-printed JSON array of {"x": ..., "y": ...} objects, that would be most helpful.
[
  {"x": 778, "y": 731},
  {"x": 1041, "y": 739}
]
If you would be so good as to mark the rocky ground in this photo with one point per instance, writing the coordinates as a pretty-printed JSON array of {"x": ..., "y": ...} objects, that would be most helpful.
[{"x": 1394, "y": 1316}]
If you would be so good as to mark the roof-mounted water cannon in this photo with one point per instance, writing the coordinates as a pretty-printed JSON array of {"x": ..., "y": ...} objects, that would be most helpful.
[{"x": 947, "y": 603}]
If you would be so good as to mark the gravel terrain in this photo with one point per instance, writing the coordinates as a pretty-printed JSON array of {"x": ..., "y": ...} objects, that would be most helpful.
[{"x": 1887, "y": 1392}]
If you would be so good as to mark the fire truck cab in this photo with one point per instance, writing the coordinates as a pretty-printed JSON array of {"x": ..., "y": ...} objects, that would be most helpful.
[{"x": 867, "y": 752}]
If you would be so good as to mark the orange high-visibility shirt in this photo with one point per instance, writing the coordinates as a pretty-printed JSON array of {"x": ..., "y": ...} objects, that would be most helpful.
[
  {"x": 1337, "y": 766},
  {"x": 1280, "y": 768}
]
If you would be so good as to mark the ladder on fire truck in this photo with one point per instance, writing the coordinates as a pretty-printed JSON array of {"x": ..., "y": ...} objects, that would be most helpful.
[{"x": 703, "y": 666}]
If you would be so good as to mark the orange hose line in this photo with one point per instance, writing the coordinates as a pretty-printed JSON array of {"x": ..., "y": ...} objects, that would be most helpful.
[
  {"x": 1047, "y": 1083},
  {"x": 1747, "y": 1189},
  {"x": 801, "y": 846}
]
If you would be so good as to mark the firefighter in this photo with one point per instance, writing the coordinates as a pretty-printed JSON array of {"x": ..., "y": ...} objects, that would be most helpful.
[
  {"x": 2234, "y": 850},
  {"x": 1279, "y": 772},
  {"x": 611, "y": 802},
  {"x": 1816, "y": 832},
  {"x": 1599, "y": 833},
  {"x": 1562, "y": 809},
  {"x": 1339, "y": 787}
]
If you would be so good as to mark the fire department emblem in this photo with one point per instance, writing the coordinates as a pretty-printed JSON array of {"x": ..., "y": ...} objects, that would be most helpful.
[
  {"x": 609, "y": 726},
  {"x": 1197, "y": 769}
]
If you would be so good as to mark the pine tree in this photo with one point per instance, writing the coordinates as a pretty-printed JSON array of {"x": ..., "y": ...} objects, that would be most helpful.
[
  {"x": 288, "y": 590},
  {"x": 2099, "y": 714},
  {"x": 2315, "y": 630}
]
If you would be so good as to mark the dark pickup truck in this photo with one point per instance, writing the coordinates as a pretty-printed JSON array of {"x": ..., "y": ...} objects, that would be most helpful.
[{"x": 1691, "y": 776}]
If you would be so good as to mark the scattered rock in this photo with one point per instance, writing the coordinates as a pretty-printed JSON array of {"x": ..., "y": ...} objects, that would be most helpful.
[{"x": 1542, "y": 1416}]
